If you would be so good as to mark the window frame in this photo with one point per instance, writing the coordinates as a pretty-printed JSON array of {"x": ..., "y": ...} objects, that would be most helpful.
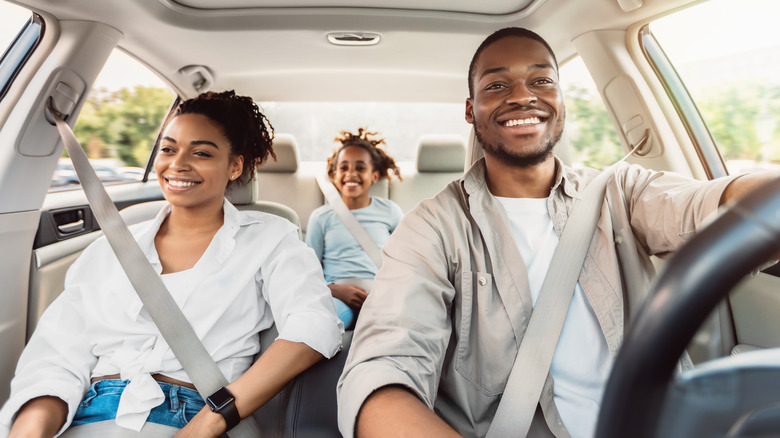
[
  {"x": 703, "y": 142},
  {"x": 20, "y": 51}
]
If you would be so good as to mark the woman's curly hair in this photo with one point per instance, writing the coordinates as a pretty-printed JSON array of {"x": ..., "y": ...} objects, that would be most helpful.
[
  {"x": 380, "y": 160},
  {"x": 249, "y": 132}
]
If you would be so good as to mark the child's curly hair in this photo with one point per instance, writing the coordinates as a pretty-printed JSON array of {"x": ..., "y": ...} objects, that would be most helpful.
[
  {"x": 380, "y": 160},
  {"x": 248, "y": 130}
]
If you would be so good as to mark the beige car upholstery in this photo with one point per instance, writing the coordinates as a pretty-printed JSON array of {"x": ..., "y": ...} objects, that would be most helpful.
[
  {"x": 285, "y": 182},
  {"x": 440, "y": 160}
]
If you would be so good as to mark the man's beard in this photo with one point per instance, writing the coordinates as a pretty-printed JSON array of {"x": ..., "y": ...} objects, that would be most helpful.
[{"x": 513, "y": 158}]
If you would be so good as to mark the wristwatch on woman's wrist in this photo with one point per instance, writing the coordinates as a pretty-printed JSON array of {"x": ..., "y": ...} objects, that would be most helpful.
[{"x": 223, "y": 403}]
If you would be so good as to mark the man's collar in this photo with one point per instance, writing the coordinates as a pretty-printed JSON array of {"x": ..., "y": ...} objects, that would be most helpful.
[{"x": 475, "y": 178}]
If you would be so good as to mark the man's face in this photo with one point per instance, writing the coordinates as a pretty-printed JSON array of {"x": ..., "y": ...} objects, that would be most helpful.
[{"x": 517, "y": 109}]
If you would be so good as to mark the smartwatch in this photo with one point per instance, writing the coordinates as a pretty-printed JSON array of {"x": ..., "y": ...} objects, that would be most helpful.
[{"x": 223, "y": 403}]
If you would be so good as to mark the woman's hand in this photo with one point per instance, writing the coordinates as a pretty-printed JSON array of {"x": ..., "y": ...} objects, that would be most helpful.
[
  {"x": 206, "y": 424},
  {"x": 353, "y": 296},
  {"x": 39, "y": 417}
]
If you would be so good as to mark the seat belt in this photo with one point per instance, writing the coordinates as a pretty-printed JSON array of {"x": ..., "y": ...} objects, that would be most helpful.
[
  {"x": 168, "y": 317},
  {"x": 350, "y": 222},
  {"x": 523, "y": 389}
]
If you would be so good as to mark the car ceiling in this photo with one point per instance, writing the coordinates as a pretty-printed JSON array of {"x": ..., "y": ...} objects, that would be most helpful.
[{"x": 278, "y": 50}]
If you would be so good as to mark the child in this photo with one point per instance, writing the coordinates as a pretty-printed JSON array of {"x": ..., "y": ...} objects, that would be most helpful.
[
  {"x": 355, "y": 165},
  {"x": 97, "y": 356}
]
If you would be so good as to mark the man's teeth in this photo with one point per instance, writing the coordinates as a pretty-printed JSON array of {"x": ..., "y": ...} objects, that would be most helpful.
[
  {"x": 530, "y": 121},
  {"x": 175, "y": 183}
]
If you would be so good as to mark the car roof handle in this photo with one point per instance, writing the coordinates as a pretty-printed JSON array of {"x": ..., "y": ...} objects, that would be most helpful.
[{"x": 201, "y": 77}]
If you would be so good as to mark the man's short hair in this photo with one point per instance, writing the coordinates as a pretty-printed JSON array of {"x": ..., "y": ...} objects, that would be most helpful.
[{"x": 497, "y": 35}]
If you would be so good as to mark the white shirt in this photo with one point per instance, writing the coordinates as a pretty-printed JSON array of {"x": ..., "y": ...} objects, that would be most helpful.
[
  {"x": 254, "y": 272},
  {"x": 582, "y": 361}
]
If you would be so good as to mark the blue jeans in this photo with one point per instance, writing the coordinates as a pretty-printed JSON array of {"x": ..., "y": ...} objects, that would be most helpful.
[{"x": 101, "y": 402}]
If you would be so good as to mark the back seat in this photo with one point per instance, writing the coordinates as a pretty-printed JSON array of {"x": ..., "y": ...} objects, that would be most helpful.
[
  {"x": 284, "y": 182},
  {"x": 440, "y": 159}
]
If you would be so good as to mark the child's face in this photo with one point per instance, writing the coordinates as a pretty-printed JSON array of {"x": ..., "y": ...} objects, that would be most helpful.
[{"x": 355, "y": 173}]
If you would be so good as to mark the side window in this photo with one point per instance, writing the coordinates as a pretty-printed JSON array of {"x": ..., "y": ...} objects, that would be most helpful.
[
  {"x": 118, "y": 124},
  {"x": 12, "y": 19},
  {"x": 590, "y": 131},
  {"x": 731, "y": 70},
  {"x": 20, "y": 32}
]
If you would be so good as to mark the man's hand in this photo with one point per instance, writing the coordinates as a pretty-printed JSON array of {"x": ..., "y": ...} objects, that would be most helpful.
[
  {"x": 746, "y": 184},
  {"x": 353, "y": 296}
]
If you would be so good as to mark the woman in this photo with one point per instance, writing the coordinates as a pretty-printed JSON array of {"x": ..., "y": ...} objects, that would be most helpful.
[
  {"x": 96, "y": 355},
  {"x": 356, "y": 164}
]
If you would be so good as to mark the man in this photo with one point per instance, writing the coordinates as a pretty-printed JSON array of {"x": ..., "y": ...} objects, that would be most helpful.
[{"x": 436, "y": 341}]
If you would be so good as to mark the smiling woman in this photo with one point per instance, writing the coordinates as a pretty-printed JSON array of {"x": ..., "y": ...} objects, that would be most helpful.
[{"x": 229, "y": 271}]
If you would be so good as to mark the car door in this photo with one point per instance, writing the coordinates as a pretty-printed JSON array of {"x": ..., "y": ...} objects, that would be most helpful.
[
  {"x": 731, "y": 72},
  {"x": 705, "y": 93}
]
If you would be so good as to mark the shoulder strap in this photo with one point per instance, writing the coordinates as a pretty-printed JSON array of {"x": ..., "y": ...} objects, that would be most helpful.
[
  {"x": 171, "y": 322},
  {"x": 532, "y": 364},
  {"x": 348, "y": 219}
]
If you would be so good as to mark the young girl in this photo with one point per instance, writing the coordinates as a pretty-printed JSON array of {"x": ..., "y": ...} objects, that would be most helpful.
[
  {"x": 96, "y": 355},
  {"x": 355, "y": 165}
]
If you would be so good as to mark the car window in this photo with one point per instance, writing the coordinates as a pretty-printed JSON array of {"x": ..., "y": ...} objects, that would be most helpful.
[
  {"x": 12, "y": 19},
  {"x": 731, "y": 69},
  {"x": 316, "y": 124},
  {"x": 591, "y": 133},
  {"x": 118, "y": 124},
  {"x": 20, "y": 32}
]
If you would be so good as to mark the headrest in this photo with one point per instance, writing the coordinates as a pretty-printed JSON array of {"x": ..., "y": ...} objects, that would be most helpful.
[
  {"x": 242, "y": 191},
  {"x": 441, "y": 153},
  {"x": 286, "y": 149}
]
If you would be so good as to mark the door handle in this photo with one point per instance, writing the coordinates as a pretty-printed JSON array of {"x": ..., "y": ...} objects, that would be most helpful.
[{"x": 71, "y": 227}]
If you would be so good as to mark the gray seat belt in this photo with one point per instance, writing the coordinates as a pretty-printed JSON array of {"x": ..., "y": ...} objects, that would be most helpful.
[
  {"x": 518, "y": 403},
  {"x": 156, "y": 299},
  {"x": 532, "y": 363},
  {"x": 350, "y": 222}
]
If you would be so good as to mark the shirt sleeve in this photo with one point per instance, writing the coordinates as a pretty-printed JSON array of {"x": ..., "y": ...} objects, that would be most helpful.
[
  {"x": 666, "y": 209},
  {"x": 299, "y": 299},
  {"x": 315, "y": 234},
  {"x": 57, "y": 360},
  {"x": 404, "y": 326}
]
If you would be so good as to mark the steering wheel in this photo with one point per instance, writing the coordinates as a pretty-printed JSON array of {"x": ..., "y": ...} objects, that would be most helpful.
[{"x": 735, "y": 396}]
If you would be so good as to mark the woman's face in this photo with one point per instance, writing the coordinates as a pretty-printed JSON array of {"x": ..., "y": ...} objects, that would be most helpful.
[
  {"x": 355, "y": 172},
  {"x": 195, "y": 162}
]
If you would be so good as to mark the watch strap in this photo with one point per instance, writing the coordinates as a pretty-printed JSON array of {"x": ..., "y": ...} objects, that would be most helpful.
[
  {"x": 224, "y": 403},
  {"x": 230, "y": 414}
]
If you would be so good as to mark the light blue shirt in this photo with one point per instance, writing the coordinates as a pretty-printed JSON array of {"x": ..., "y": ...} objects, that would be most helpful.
[{"x": 340, "y": 254}]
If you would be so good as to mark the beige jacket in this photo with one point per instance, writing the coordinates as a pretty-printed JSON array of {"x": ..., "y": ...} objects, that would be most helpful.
[{"x": 451, "y": 302}]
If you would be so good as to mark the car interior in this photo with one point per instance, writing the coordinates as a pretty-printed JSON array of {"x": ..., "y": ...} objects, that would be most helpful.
[{"x": 658, "y": 74}]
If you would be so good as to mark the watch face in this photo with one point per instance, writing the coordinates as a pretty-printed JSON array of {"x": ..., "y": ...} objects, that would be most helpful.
[{"x": 221, "y": 398}]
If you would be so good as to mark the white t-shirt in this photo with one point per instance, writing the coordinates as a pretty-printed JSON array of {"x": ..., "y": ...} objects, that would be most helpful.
[{"x": 582, "y": 361}]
